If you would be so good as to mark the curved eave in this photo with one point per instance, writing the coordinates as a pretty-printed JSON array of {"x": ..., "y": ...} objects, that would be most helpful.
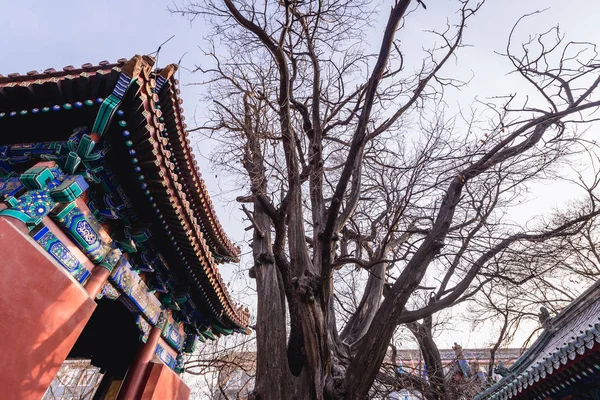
[
  {"x": 535, "y": 376},
  {"x": 176, "y": 208},
  {"x": 38, "y": 89},
  {"x": 192, "y": 181},
  {"x": 527, "y": 375},
  {"x": 551, "y": 352}
]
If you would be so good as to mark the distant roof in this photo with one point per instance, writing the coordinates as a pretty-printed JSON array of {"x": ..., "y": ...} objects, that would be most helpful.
[
  {"x": 572, "y": 333},
  {"x": 503, "y": 354}
]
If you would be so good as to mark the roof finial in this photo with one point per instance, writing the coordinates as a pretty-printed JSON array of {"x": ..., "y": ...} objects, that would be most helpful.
[{"x": 133, "y": 67}]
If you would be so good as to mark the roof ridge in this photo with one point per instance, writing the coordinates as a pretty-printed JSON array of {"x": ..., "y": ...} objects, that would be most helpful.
[
  {"x": 66, "y": 70},
  {"x": 583, "y": 300}
]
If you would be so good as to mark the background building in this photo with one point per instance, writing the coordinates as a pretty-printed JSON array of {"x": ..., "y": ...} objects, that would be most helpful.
[
  {"x": 75, "y": 380},
  {"x": 564, "y": 362}
]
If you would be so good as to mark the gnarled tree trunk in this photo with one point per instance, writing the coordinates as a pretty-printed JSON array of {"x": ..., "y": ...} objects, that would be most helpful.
[{"x": 321, "y": 153}]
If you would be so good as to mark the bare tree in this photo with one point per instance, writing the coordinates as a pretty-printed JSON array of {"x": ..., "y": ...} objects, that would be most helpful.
[
  {"x": 223, "y": 369},
  {"x": 76, "y": 380},
  {"x": 548, "y": 275},
  {"x": 351, "y": 163}
]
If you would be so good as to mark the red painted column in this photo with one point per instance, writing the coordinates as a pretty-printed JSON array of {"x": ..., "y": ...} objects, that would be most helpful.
[
  {"x": 163, "y": 383},
  {"x": 134, "y": 381},
  {"x": 42, "y": 312},
  {"x": 94, "y": 284}
]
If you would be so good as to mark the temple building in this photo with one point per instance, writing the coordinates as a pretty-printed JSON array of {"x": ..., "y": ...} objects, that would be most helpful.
[
  {"x": 477, "y": 360},
  {"x": 563, "y": 363},
  {"x": 109, "y": 242}
]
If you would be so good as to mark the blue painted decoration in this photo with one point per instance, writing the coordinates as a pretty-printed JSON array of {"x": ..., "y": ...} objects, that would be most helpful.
[
  {"x": 165, "y": 357},
  {"x": 10, "y": 187},
  {"x": 61, "y": 253},
  {"x": 191, "y": 343},
  {"x": 138, "y": 294},
  {"x": 108, "y": 291},
  {"x": 83, "y": 230}
]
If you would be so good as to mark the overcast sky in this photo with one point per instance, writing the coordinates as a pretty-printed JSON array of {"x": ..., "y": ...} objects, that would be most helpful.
[{"x": 41, "y": 34}]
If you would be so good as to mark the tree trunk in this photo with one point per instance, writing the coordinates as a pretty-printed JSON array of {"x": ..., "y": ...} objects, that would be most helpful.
[
  {"x": 431, "y": 356},
  {"x": 360, "y": 321},
  {"x": 272, "y": 370},
  {"x": 363, "y": 370}
]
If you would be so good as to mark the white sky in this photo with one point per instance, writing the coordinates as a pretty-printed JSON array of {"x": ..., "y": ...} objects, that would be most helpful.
[{"x": 40, "y": 34}]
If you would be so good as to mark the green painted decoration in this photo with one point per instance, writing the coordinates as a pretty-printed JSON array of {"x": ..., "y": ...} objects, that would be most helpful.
[
  {"x": 172, "y": 335},
  {"x": 191, "y": 343},
  {"x": 112, "y": 259},
  {"x": 69, "y": 190},
  {"x": 109, "y": 106},
  {"x": 108, "y": 291}
]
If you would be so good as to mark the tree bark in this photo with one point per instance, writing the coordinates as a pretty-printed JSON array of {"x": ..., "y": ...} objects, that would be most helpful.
[
  {"x": 272, "y": 370},
  {"x": 431, "y": 356},
  {"x": 359, "y": 322}
]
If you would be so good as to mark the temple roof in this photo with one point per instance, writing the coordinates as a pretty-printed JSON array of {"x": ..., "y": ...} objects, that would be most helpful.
[
  {"x": 574, "y": 332},
  {"x": 159, "y": 139},
  {"x": 447, "y": 355}
]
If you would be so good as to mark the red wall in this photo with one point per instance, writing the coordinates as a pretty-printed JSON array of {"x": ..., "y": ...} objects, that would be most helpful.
[
  {"x": 164, "y": 384},
  {"x": 42, "y": 313}
]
